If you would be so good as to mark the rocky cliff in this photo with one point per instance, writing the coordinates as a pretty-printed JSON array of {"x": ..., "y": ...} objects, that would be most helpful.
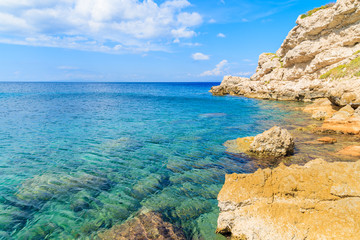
[
  {"x": 320, "y": 200},
  {"x": 319, "y": 58}
]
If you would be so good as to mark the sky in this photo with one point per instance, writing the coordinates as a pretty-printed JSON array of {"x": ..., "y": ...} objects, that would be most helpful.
[{"x": 140, "y": 41}]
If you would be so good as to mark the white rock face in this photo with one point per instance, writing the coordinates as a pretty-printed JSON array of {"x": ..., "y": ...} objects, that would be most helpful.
[{"x": 319, "y": 43}]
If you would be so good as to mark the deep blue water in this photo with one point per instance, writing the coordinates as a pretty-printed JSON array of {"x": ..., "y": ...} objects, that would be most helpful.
[{"x": 76, "y": 158}]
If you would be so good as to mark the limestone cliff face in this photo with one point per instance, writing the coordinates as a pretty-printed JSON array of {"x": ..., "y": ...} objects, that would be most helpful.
[
  {"x": 320, "y": 57},
  {"x": 320, "y": 200}
]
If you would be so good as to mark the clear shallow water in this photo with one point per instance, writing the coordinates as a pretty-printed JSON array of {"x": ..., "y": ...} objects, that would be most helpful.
[{"x": 76, "y": 158}]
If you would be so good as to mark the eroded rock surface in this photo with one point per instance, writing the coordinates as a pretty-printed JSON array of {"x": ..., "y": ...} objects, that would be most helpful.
[
  {"x": 275, "y": 142},
  {"x": 320, "y": 200},
  {"x": 146, "y": 226},
  {"x": 320, "y": 58}
]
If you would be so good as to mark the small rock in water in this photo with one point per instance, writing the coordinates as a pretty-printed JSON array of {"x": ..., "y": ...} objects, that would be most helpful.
[
  {"x": 326, "y": 140},
  {"x": 275, "y": 141},
  {"x": 352, "y": 151}
]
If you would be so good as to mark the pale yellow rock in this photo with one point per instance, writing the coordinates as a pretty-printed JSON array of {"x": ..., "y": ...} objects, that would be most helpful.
[
  {"x": 320, "y": 200},
  {"x": 243, "y": 144}
]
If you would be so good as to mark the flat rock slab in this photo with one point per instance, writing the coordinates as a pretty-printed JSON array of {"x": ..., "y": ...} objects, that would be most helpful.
[
  {"x": 353, "y": 151},
  {"x": 320, "y": 200}
]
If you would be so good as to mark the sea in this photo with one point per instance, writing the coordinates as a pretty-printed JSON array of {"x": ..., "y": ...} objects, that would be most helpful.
[{"x": 79, "y": 158}]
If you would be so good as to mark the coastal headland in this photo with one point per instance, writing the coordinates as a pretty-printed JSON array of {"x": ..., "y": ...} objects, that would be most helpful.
[{"x": 300, "y": 197}]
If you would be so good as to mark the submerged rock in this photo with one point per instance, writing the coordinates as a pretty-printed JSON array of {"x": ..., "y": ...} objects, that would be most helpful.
[
  {"x": 320, "y": 200},
  {"x": 145, "y": 226},
  {"x": 48, "y": 186}
]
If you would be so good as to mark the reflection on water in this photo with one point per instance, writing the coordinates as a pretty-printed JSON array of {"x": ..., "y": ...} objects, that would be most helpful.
[{"x": 76, "y": 159}]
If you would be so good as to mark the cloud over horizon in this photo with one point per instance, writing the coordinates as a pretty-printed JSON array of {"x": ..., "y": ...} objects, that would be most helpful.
[
  {"x": 217, "y": 71},
  {"x": 113, "y": 26}
]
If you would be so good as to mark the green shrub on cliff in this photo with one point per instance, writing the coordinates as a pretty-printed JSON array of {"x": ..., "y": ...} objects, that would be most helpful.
[
  {"x": 311, "y": 12},
  {"x": 350, "y": 69},
  {"x": 355, "y": 53}
]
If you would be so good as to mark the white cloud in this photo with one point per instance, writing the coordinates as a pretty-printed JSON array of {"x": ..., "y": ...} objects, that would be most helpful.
[
  {"x": 97, "y": 25},
  {"x": 200, "y": 56},
  {"x": 182, "y": 33},
  {"x": 221, "y": 35},
  {"x": 189, "y": 19},
  {"x": 217, "y": 71},
  {"x": 212, "y": 20}
]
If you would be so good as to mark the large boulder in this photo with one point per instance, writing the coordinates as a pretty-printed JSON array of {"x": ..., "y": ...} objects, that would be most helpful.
[
  {"x": 275, "y": 141},
  {"x": 320, "y": 200}
]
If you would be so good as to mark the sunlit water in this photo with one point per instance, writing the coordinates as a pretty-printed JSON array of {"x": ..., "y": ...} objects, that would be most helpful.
[{"x": 76, "y": 158}]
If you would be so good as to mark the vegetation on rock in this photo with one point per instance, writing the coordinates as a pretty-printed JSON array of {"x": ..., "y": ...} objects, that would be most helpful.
[
  {"x": 311, "y": 12},
  {"x": 348, "y": 69}
]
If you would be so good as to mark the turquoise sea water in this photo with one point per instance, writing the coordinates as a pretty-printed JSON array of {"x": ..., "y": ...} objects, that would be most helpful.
[{"x": 76, "y": 158}]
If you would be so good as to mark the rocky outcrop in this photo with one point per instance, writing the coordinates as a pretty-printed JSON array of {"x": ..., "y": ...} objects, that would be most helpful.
[
  {"x": 320, "y": 58},
  {"x": 346, "y": 120},
  {"x": 146, "y": 226},
  {"x": 229, "y": 85},
  {"x": 320, "y": 200},
  {"x": 275, "y": 142}
]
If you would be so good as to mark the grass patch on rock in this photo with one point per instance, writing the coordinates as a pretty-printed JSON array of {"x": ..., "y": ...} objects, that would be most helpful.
[
  {"x": 311, "y": 12},
  {"x": 349, "y": 69}
]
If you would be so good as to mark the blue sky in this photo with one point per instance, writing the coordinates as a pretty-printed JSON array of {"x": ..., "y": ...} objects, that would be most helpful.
[{"x": 140, "y": 41}]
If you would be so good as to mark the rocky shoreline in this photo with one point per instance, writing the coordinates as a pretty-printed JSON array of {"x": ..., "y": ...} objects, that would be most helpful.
[
  {"x": 320, "y": 58},
  {"x": 318, "y": 62}
]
